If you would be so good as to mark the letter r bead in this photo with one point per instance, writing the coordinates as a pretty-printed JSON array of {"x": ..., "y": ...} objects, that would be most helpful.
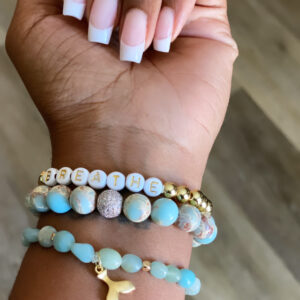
[{"x": 135, "y": 182}]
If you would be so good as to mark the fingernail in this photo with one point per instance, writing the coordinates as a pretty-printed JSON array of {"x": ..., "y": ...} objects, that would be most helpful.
[
  {"x": 102, "y": 19},
  {"x": 74, "y": 8},
  {"x": 133, "y": 36},
  {"x": 164, "y": 30}
]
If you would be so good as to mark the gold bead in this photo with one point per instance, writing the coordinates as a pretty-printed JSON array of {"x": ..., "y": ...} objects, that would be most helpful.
[
  {"x": 52, "y": 236},
  {"x": 42, "y": 178},
  {"x": 196, "y": 199},
  {"x": 204, "y": 203},
  {"x": 146, "y": 266},
  {"x": 170, "y": 190},
  {"x": 209, "y": 207},
  {"x": 183, "y": 194}
]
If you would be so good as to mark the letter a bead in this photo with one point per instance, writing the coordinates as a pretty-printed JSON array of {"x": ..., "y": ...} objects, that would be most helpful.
[{"x": 97, "y": 179}]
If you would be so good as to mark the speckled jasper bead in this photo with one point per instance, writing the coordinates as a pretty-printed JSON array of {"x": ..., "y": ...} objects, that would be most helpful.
[
  {"x": 189, "y": 218},
  {"x": 36, "y": 199},
  {"x": 137, "y": 208},
  {"x": 58, "y": 199},
  {"x": 83, "y": 200},
  {"x": 164, "y": 212},
  {"x": 45, "y": 236},
  {"x": 206, "y": 232},
  {"x": 109, "y": 204}
]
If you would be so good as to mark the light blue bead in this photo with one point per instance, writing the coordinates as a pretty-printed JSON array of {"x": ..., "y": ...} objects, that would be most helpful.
[
  {"x": 45, "y": 235},
  {"x": 84, "y": 252},
  {"x": 187, "y": 278},
  {"x": 30, "y": 235},
  {"x": 58, "y": 199},
  {"x": 194, "y": 289},
  {"x": 137, "y": 208},
  {"x": 83, "y": 200},
  {"x": 131, "y": 263},
  {"x": 36, "y": 200},
  {"x": 210, "y": 238},
  {"x": 110, "y": 259},
  {"x": 189, "y": 218},
  {"x": 63, "y": 241},
  {"x": 164, "y": 212},
  {"x": 173, "y": 274},
  {"x": 158, "y": 270}
]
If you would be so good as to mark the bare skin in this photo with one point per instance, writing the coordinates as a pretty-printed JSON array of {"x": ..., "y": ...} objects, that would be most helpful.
[{"x": 159, "y": 118}]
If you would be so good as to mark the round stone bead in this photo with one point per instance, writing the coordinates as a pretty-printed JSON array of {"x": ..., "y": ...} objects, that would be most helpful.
[
  {"x": 84, "y": 252},
  {"x": 116, "y": 181},
  {"x": 131, "y": 263},
  {"x": 183, "y": 194},
  {"x": 36, "y": 200},
  {"x": 30, "y": 235},
  {"x": 194, "y": 289},
  {"x": 189, "y": 218},
  {"x": 97, "y": 179},
  {"x": 109, "y": 204},
  {"x": 110, "y": 259},
  {"x": 158, "y": 270},
  {"x": 164, "y": 212},
  {"x": 137, "y": 208},
  {"x": 153, "y": 187},
  {"x": 173, "y": 274},
  {"x": 83, "y": 200},
  {"x": 135, "y": 182},
  {"x": 58, "y": 199},
  {"x": 196, "y": 244},
  {"x": 170, "y": 190},
  {"x": 207, "y": 232},
  {"x": 63, "y": 176},
  {"x": 80, "y": 176},
  {"x": 63, "y": 241},
  {"x": 49, "y": 177},
  {"x": 187, "y": 278},
  {"x": 45, "y": 236}
]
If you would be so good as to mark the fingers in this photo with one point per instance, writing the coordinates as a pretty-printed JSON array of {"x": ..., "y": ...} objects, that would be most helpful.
[{"x": 74, "y": 8}]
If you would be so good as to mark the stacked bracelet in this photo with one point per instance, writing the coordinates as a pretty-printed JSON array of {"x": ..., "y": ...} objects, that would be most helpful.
[{"x": 109, "y": 259}]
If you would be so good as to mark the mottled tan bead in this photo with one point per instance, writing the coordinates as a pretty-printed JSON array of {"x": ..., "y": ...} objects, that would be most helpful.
[
  {"x": 183, "y": 194},
  {"x": 146, "y": 266},
  {"x": 170, "y": 190}
]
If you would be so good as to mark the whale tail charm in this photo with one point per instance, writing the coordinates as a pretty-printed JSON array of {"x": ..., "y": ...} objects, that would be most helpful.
[{"x": 114, "y": 287}]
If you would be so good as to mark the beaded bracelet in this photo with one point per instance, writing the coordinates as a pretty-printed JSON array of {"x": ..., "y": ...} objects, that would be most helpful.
[
  {"x": 117, "y": 181},
  {"x": 137, "y": 208},
  {"x": 109, "y": 259}
]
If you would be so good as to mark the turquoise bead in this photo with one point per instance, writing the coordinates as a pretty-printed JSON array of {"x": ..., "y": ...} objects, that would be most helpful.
[
  {"x": 83, "y": 200},
  {"x": 187, "y": 278},
  {"x": 210, "y": 238},
  {"x": 58, "y": 199},
  {"x": 173, "y": 274},
  {"x": 164, "y": 212},
  {"x": 194, "y": 289},
  {"x": 36, "y": 200},
  {"x": 158, "y": 270},
  {"x": 63, "y": 241},
  {"x": 84, "y": 252},
  {"x": 137, "y": 208},
  {"x": 189, "y": 218},
  {"x": 45, "y": 235},
  {"x": 131, "y": 263},
  {"x": 110, "y": 259},
  {"x": 30, "y": 235}
]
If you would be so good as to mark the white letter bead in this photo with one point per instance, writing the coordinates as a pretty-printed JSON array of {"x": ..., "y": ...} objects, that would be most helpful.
[
  {"x": 116, "y": 181},
  {"x": 153, "y": 187},
  {"x": 50, "y": 177},
  {"x": 64, "y": 176},
  {"x": 80, "y": 176},
  {"x": 135, "y": 182},
  {"x": 97, "y": 179}
]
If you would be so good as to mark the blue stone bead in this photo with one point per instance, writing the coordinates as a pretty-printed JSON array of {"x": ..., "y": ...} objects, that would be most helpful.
[
  {"x": 137, "y": 208},
  {"x": 164, "y": 212},
  {"x": 110, "y": 259},
  {"x": 45, "y": 235},
  {"x": 30, "y": 235},
  {"x": 63, "y": 241},
  {"x": 194, "y": 289},
  {"x": 131, "y": 263},
  {"x": 36, "y": 200},
  {"x": 210, "y": 238},
  {"x": 58, "y": 199},
  {"x": 189, "y": 218},
  {"x": 84, "y": 252},
  {"x": 83, "y": 200},
  {"x": 173, "y": 274},
  {"x": 187, "y": 278},
  {"x": 158, "y": 270}
]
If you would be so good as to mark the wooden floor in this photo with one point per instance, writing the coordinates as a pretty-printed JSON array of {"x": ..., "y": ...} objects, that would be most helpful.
[{"x": 253, "y": 173}]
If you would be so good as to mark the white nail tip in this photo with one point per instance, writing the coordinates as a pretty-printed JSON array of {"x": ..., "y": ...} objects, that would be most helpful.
[
  {"x": 101, "y": 36},
  {"x": 162, "y": 45},
  {"x": 73, "y": 9},
  {"x": 132, "y": 53}
]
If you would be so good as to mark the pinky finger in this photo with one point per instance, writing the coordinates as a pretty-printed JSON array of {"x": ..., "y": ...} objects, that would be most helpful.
[{"x": 74, "y": 8}]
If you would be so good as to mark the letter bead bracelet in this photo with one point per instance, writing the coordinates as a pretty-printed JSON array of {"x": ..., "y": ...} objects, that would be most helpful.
[{"x": 108, "y": 259}]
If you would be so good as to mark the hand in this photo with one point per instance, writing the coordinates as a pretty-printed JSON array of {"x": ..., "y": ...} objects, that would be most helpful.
[{"x": 159, "y": 118}]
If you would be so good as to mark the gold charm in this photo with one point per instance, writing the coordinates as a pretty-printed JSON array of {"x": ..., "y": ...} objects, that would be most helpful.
[{"x": 114, "y": 287}]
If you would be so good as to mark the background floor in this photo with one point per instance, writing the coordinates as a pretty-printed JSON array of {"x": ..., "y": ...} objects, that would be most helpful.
[{"x": 253, "y": 173}]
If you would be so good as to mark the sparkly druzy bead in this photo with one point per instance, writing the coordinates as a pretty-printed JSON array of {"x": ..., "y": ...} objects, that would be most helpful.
[
  {"x": 173, "y": 274},
  {"x": 36, "y": 200},
  {"x": 80, "y": 176},
  {"x": 83, "y": 200},
  {"x": 183, "y": 194},
  {"x": 45, "y": 236},
  {"x": 116, "y": 181},
  {"x": 97, "y": 179},
  {"x": 63, "y": 241},
  {"x": 187, "y": 278},
  {"x": 137, "y": 208},
  {"x": 164, "y": 212},
  {"x": 207, "y": 232},
  {"x": 110, "y": 259},
  {"x": 189, "y": 218},
  {"x": 153, "y": 187},
  {"x": 194, "y": 289},
  {"x": 84, "y": 252},
  {"x": 109, "y": 204},
  {"x": 30, "y": 235},
  {"x": 135, "y": 182},
  {"x": 158, "y": 270},
  {"x": 58, "y": 199},
  {"x": 170, "y": 190},
  {"x": 131, "y": 263},
  {"x": 63, "y": 176}
]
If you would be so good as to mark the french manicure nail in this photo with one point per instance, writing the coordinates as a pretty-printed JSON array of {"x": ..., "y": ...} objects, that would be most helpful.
[
  {"x": 164, "y": 30},
  {"x": 102, "y": 19},
  {"x": 74, "y": 8},
  {"x": 133, "y": 36}
]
